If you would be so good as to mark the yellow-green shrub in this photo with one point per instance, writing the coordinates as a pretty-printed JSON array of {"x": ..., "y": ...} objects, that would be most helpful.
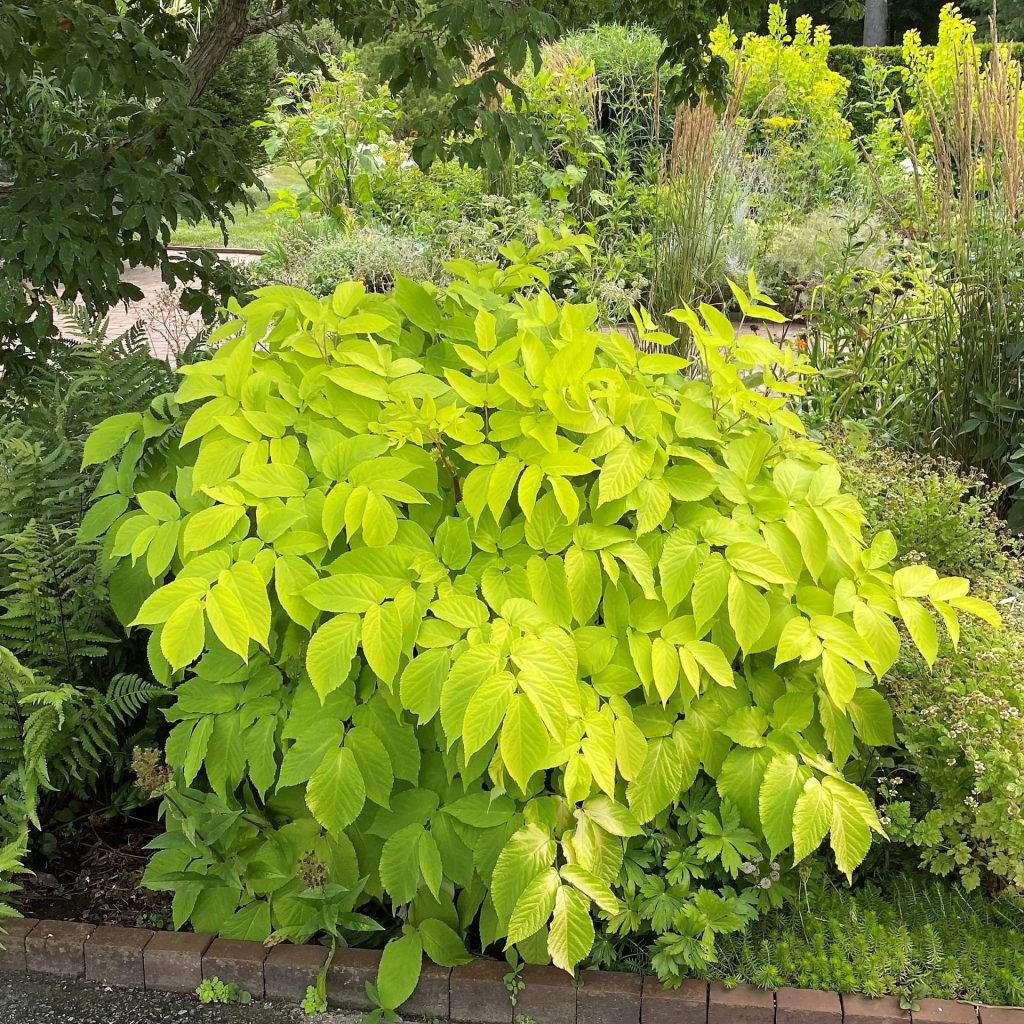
[
  {"x": 457, "y": 593},
  {"x": 786, "y": 79}
]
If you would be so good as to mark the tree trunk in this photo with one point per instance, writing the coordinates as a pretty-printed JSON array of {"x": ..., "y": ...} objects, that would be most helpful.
[
  {"x": 876, "y": 22},
  {"x": 225, "y": 30}
]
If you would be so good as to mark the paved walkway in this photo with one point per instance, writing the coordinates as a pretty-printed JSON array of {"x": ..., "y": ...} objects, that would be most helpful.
[
  {"x": 42, "y": 1000},
  {"x": 168, "y": 327}
]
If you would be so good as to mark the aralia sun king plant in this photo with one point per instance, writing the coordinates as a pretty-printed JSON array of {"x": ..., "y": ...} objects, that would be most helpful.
[{"x": 456, "y": 594}]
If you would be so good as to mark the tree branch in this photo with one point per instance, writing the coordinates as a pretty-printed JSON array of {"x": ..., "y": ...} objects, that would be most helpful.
[
  {"x": 225, "y": 30},
  {"x": 267, "y": 22}
]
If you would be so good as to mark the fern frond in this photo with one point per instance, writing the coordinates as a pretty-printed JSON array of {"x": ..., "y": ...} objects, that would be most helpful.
[
  {"x": 128, "y": 694},
  {"x": 71, "y": 691}
]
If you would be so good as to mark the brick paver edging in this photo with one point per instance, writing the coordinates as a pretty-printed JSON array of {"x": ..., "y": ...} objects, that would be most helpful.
[{"x": 471, "y": 994}]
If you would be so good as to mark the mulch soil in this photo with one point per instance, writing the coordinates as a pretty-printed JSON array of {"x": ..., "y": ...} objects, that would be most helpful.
[{"x": 95, "y": 876}]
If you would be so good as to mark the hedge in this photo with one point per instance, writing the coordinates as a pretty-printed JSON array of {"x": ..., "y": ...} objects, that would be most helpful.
[{"x": 849, "y": 62}]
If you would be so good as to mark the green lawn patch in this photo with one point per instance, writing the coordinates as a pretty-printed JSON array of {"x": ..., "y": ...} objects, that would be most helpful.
[{"x": 250, "y": 229}]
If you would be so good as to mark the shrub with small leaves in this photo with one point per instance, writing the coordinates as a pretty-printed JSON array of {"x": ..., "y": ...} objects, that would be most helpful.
[
  {"x": 898, "y": 935},
  {"x": 460, "y": 593},
  {"x": 955, "y": 796},
  {"x": 939, "y": 513},
  {"x": 315, "y": 255},
  {"x": 953, "y": 792}
]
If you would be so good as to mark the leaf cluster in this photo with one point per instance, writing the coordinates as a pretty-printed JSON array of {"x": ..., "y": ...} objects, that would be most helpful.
[{"x": 902, "y": 936}]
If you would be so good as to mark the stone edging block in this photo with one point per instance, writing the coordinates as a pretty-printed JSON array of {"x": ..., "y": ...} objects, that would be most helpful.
[
  {"x": 687, "y": 1004},
  {"x": 173, "y": 961},
  {"x": 859, "y": 1009},
  {"x": 473, "y": 993},
  {"x": 114, "y": 956},
  {"x": 289, "y": 970},
  {"x": 432, "y": 998},
  {"x": 1000, "y": 1015},
  {"x": 12, "y": 956},
  {"x": 806, "y": 1006},
  {"x": 743, "y": 1004},
  {"x": 608, "y": 998},
  {"x": 236, "y": 961},
  {"x": 478, "y": 993},
  {"x": 549, "y": 995},
  {"x": 58, "y": 947}
]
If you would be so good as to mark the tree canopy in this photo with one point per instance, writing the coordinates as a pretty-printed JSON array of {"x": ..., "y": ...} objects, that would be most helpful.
[{"x": 106, "y": 144}]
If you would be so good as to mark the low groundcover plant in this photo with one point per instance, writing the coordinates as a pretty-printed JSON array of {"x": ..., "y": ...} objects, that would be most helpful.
[{"x": 459, "y": 595}]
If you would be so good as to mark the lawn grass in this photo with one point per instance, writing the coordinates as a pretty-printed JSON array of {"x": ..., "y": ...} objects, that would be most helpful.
[{"x": 250, "y": 229}]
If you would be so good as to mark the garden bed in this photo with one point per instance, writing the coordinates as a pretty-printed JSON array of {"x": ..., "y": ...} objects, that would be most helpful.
[
  {"x": 95, "y": 877},
  {"x": 442, "y": 622}
]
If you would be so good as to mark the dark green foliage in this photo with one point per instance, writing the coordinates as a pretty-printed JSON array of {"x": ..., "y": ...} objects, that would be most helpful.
[
  {"x": 861, "y": 109},
  {"x": 703, "y": 853},
  {"x": 1009, "y": 13},
  {"x": 73, "y": 690},
  {"x": 424, "y": 110},
  {"x": 846, "y": 17},
  {"x": 939, "y": 514},
  {"x": 899, "y": 936},
  {"x": 70, "y": 692},
  {"x": 95, "y": 111},
  {"x": 239, "y": 95},
  {"x": 303, "y": 48}
]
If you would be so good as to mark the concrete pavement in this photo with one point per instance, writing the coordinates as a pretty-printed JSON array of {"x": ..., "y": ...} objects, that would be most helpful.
[{"x": 38, "y": 999}]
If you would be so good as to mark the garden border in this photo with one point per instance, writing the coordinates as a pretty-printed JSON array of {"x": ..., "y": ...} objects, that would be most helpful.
[
  {"x": 220, "y": 250},
  {"x": 474, "y": 993}
]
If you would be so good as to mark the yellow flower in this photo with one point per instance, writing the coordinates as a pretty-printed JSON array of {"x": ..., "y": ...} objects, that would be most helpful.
[{"x": 778, "y": 122}]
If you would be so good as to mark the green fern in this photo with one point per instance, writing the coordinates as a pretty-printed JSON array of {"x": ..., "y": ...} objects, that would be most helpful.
[
  {"x": 73, "y": 688},
  {"x": 12, "y": 856}
]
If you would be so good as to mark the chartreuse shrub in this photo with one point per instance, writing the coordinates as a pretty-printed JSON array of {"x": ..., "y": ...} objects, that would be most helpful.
[
  {"x": 458, "y": 595},
  {"x": 792, "y": 106},
  {"x": 786, "y": 77}
]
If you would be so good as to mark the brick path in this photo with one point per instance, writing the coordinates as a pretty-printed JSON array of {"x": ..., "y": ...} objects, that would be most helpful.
[{"x": 168, "y": 327}]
